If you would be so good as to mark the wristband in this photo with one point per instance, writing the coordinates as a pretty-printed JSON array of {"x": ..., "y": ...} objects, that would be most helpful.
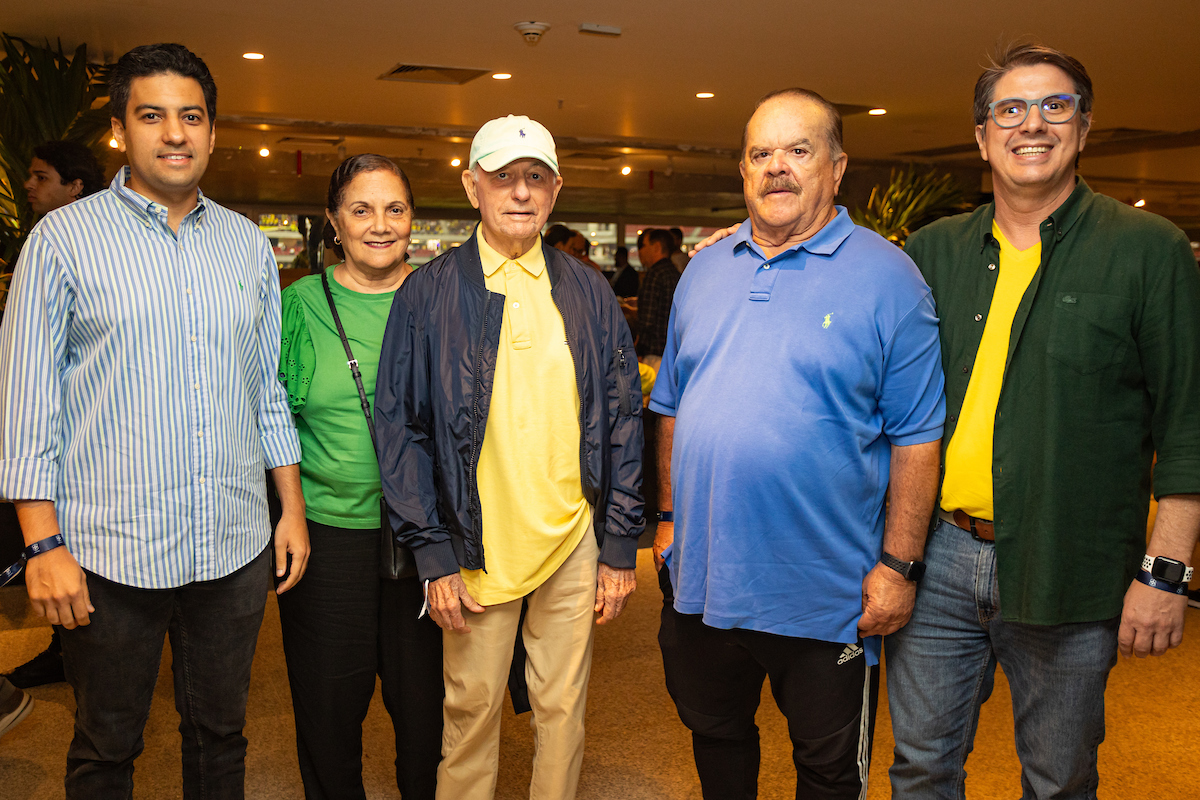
[
  {"x": 35, "y": 549},
  {"x": 666, "y": 516},
  {"x": 1157, "y": 583}
]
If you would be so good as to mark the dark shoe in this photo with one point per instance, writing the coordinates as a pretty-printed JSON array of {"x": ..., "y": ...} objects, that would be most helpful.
[
  {"x": 45, "y": 667},
  {"x": 14, "y": 709}
]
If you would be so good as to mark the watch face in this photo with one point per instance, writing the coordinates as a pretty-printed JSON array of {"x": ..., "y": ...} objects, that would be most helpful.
[
  {"x": 1168, "y": 569},
  {"x": 916, "y": 571}
]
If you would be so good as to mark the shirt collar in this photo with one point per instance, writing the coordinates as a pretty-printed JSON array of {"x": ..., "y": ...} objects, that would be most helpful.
[
  {"x": 146, "y": 209},
  {"x": 1061, "y": 220},
  {"x": 532, "y": 261},
  {"x": 824, "y": 243}
]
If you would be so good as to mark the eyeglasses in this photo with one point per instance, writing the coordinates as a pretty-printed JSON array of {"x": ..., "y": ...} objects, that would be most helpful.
[{"x": 1054, "y": 108}]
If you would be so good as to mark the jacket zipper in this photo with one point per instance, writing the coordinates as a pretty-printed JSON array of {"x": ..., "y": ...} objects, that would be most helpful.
[
  {"x": 475, "y": 427},
  {"x": 622, "y": 384}
]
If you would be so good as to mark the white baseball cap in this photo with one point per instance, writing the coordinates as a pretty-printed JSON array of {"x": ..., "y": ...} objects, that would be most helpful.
[{"x": 506, "y": 139}]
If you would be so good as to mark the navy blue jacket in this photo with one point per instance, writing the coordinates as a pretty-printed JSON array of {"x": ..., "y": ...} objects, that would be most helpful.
[{"x": 434, "y": 388}]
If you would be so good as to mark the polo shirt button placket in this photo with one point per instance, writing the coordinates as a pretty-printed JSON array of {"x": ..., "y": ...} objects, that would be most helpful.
[{"x": 992, "y": 267}]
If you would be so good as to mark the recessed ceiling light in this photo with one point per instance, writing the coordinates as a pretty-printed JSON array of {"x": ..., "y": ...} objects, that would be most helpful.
[
  {"x": 1140, "y": 203},
  {"x": 704, "y": 95},
  {"x": 454, "y": 162},
  {"x": 626, "y": 170},
  {"x": 264, "y": 151},
  {"x": 877, "y": 112},
  {"x": 501, "y": 76},
  {"x": 112, "y": 143},
  {"x": 253, "y": 56}
]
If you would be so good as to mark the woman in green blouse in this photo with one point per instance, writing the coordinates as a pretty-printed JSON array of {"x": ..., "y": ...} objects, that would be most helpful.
[{"x": 343, "y": 624}]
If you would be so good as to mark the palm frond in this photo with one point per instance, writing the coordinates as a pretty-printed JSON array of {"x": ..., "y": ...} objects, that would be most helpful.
[{"x": 909, "y": 200}]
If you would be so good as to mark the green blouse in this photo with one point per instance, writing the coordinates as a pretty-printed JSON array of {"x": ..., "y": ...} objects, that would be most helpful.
[{"x": 338, "y": 469}]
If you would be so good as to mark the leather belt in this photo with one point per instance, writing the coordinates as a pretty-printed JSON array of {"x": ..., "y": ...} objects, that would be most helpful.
[{"x": 981, "y": 529}]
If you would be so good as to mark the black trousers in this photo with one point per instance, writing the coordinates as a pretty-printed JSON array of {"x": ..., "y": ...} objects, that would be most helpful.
[
  {"x": 112, "y": 664},
  {"x": 342, "y": 625},
  {"x": 825, "y": 690}
]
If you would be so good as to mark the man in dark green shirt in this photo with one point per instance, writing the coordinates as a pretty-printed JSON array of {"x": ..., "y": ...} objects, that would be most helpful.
[{"x": 1070, "y": 331}]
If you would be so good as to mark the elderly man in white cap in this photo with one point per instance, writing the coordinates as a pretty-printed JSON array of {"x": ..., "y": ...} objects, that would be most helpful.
[{"x": 510, "y": 432}]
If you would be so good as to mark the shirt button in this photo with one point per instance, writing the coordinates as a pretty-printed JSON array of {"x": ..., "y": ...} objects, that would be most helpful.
[
  {"x": 978, "y": 317},
  {"x": 966, "y": 369},
  {"x": 196, "y": 386},
  {"x": 199, "y": 434},
  {"x": 991, "y": 266},
  {"x": 188, "y": 290},
  {"x": 516, "y": 305},
  {"x": 193, "y": 338},
  {"x": 766, "y": 266},
  {"x": 202, "y": 479}
]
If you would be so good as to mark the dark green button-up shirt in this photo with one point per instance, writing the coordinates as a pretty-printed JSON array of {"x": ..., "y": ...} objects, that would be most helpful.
[{"x": 1103, "y": 371}]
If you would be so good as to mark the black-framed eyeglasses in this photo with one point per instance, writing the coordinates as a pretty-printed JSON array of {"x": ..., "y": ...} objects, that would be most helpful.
[{"x": 1054, "y": 108}]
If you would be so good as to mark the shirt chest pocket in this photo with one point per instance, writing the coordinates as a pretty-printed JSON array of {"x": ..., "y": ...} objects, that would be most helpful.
[{"x": 1090, "y": 332}]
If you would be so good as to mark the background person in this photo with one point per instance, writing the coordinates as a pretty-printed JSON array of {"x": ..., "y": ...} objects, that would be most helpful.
[
  {"x": 626, "y": 282},
  {"x": 61, "y": 172},
  {"x": 510, "y": 427},
  {"x": 344, "y": 623}
]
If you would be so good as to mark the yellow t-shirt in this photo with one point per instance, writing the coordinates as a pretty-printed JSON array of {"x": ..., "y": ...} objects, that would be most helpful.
[
  {"x": 968, "y": 483},
  {"x": 530, "y": 488}
]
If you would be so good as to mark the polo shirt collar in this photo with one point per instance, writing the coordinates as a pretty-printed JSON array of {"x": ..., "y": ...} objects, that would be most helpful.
[
  {"x": 532, "y": 261},
  {"x": 146, "y": 209},
  {"x": 824, "y": 243}
]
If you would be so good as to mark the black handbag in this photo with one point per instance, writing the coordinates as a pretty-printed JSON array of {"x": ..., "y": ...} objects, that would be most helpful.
[{"x": 395, "y": 560}]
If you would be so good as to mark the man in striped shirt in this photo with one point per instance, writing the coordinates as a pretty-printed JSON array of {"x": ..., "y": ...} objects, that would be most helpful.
[{"x": 138, "y": 406}]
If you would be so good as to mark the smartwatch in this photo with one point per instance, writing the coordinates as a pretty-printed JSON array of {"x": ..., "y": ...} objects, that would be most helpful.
[
  {"x": 666, "y": 516},
  {"x": 1167, "y": 570},
  {"x": 911, "y": 570}
]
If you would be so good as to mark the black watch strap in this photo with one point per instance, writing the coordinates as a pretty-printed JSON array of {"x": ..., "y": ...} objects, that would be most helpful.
[{"x": 911, "y": 570}]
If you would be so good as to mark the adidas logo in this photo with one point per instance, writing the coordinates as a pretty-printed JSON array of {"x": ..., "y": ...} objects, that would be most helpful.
[{"x": 851, "y": 651}]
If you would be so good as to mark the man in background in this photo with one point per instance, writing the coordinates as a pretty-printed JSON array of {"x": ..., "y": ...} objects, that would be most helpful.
[{"x": 61, "y": 172}]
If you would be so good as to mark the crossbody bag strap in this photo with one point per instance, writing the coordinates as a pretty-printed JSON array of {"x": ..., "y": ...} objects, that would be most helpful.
[{"x": 351, "y": 362}]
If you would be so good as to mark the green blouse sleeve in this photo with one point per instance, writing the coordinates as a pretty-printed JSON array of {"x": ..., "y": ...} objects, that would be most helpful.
[{"x": 296, "y": 354}]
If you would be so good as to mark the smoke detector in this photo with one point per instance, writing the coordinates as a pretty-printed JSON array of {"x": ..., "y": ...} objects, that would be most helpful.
[{"x": 532, "y": 31}]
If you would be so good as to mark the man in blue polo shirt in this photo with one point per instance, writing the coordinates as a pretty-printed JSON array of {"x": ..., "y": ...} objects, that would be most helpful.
[{"x": 801, "y": 383}]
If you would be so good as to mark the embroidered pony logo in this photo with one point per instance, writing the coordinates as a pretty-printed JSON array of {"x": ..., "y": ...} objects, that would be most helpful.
[{"x": 828, "y": 321}]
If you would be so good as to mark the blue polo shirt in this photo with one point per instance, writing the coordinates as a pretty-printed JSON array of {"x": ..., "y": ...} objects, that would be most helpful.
[{"x": 790, "y": 379}]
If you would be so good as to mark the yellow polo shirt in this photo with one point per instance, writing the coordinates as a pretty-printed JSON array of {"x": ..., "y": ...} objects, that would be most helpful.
[
  {"x": 968, "y": 482},
  {"x": 530, "y": 488}
]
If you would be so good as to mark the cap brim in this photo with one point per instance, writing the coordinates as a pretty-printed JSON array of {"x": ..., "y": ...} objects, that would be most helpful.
[{"x": 507, "y": 155}]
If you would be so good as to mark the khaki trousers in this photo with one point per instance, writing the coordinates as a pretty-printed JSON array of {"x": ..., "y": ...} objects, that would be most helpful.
[{"x": 558, "y": 638}]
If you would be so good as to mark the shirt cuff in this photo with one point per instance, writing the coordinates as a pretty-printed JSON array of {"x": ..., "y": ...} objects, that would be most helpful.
[
  {"x": 28, "y": 479},
  {"x": 618, "y": 552},
  {"x": 1176, "y": 476},
  {"x": 435, "y": 560},
  {"x": 281, "y": 449}
]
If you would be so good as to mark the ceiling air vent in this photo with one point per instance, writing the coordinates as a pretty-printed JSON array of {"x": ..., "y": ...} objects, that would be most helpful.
[{"x": 425, "y": 73}]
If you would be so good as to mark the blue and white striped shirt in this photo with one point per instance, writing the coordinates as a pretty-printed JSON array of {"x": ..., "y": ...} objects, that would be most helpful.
[{"x": 138, "y": 386}]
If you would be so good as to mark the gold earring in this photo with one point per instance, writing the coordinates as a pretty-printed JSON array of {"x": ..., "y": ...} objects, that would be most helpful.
[{"x": 336, "y": 240}]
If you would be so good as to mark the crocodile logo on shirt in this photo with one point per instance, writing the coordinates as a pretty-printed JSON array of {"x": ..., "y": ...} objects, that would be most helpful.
[{"x": 828, "y": 321}]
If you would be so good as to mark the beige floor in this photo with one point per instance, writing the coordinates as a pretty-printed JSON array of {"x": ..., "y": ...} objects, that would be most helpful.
[{"x": 636, "y": 746}]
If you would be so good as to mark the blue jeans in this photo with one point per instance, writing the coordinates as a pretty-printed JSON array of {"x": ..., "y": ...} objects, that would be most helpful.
[
  {"x": 941, "y": 669},
  {"x": 112, "y": 664}
]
